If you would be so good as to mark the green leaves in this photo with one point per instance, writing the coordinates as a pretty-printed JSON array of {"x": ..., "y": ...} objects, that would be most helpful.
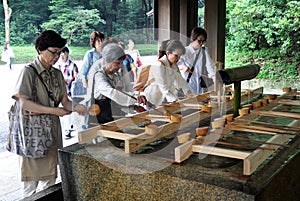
[
  {"x": 264, "y": 32},
  {"x": 273, "y": 22}
]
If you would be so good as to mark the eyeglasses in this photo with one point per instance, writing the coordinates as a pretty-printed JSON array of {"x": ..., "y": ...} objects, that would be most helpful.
[
  {"x": 201, "y": 41},
  {"x": 54, "y": 53}
]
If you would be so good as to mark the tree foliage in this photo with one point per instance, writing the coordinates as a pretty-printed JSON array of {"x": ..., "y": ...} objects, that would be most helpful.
[
  {"x": 75, "y": 19},
  {"x": 73, "y": 22},
  {"x": 265, "y": 32},
  {"x": 262, "y": 24}
]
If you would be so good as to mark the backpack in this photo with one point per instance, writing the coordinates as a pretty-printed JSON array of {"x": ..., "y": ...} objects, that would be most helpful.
[{"x": 142, "y": 78}]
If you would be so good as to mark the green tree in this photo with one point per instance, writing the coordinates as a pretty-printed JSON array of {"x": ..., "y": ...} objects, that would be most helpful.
[
  {"x": 72, "y": 21},
  {"x": 258, "y": 24},
  {"x": 25, "y": 20},
  {"x": 131, "y": 21},
  {"x": 75, "y": 19},
  {"x": 265, "y": 32}
]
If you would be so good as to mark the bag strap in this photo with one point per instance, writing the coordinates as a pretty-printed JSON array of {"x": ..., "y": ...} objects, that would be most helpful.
[
  {"x": 204, "y": 69},
  {"x": 193, "y": 68},
  {"x": 50, "y": 94},
  {"x": 93, "y": 87}
]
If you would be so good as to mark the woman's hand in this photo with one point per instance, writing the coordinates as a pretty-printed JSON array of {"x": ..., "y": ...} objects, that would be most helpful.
[
  {"x": 59, "y": 111},
  {"x": 139, "y": 108},
  {"x": 80, "y": 109},
  {"x": 185, "y": 68},
  {"x": 142, "y": 100}
]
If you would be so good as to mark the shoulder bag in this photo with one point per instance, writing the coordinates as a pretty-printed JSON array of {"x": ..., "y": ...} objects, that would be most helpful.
[
  {"x": 30, "y": 134},
  {"x": 77, "y": 88}
]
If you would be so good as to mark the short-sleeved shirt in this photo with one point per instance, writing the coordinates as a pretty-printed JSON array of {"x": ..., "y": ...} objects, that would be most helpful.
[
  {"x": 42, "y": 168},
  {"x": 70, "y": 71},
  {"x": 89, "y": 59}
]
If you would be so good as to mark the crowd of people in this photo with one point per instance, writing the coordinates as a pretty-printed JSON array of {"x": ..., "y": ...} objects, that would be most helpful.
[{"x": 109, "y": 73}]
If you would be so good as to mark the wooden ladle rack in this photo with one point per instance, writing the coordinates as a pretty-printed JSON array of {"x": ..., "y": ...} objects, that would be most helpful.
[{"x": 132, "y": 129}]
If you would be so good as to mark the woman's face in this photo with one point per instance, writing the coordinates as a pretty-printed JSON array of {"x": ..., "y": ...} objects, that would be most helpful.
[
  {"x": 49, "y": 56},
  {"x": 131, "y": 45},
  {"x": 64, "y": 56},
  {"x": 199, "y": 42},
  {"x": 98, "y": 43},
  {"x": 174, "y": 56},
  {"x": 113, "y": 67}
]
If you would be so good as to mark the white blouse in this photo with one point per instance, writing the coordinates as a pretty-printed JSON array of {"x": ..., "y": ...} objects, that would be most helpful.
[
  {"x": 188, "y": 60},
  {"x": 167, "y": 83}
]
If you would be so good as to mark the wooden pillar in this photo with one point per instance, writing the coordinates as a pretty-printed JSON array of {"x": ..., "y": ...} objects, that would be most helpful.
[
  {"x": 175, "y": 19},
  {"x": 188, "y": 19},
  {"x": 166, "y": 20},
  {"x": 214, "y": 24}
]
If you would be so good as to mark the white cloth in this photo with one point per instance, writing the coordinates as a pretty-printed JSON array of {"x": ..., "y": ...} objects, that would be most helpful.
[
  {"x": 7, "y": 55},
  {"x": 167, "y": 84},
  {"x": 188, "y": 59}
]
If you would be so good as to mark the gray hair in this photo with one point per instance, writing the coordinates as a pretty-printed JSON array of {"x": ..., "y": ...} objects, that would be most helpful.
[{"x": 112, "y": 52}]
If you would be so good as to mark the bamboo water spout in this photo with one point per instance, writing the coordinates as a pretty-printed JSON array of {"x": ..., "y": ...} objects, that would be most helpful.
[{"x": 235, "y": 76}]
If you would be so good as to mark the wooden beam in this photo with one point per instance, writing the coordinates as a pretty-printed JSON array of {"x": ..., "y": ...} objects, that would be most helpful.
[
  {"x": 214, "y": 24},
  {"x": 271, "y": 125},
  {"x": 167, "y": 129},
  {"x": 236, "y": 128},
  {"x": 289, "y": 102},
  {"x": 114, "y": 134},
  {"x": 230, "y": 153},
  {"x": 255, "y": 159},
  {"x": 88, "y": 135},
  {"x": 234, "y": 125},
  {"x": 184, "y": 151},
  {"x": 278, "y": 114}
]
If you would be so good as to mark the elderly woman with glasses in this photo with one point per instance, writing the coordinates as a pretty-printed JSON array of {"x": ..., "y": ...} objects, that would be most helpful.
[
  {"x": 164, "y": 81},
  {"x": 196, "y": 62},
  {"x": 50, "y": 92}
]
